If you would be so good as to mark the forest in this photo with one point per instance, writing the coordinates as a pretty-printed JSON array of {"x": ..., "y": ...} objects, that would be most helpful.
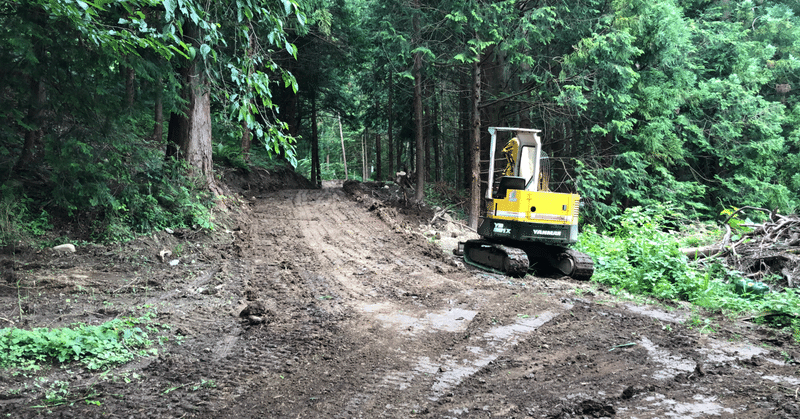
[
  {"x": 677, "y": 122},
  {"x": 116, "y": 111}
]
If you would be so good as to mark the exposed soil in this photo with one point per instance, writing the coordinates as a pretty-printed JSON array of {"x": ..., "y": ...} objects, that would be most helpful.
[{"x": 344, "y": 303}]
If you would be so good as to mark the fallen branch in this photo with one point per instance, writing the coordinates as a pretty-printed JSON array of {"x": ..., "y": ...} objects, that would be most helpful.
[
  {"x": 733, "y": 214},
  {"x": 702, "y": 251},
  {"x": 788, "y": 277},
  {"x": 442, "y": 212},
  {"x": 768, "y": 314}
]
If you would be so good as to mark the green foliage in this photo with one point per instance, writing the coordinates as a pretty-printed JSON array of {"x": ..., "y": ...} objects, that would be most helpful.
[
  {"x": 329, "y": 171},
  {"x": 20, "y": 218},
  {"x": 638, "y": 256},
  {"x": 227, "y": 150},
  {"x": 632, "y": 180},
  {"x": 96, "y": 347}
]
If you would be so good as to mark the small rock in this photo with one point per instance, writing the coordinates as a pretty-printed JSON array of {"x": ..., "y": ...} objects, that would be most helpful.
[
  {"x": 255, "y": 319},
  {"x": 698, "y": 369},
  {"x": 255, "y": 308},
  {"x": 629, "y": 392},
  {"x": 238, "y": 310},
  {"x": 174, "y": 262},
  {"x": 63, "y": 249},
  {"x": 164, "y": 254},
  {"x": 169, "y": 231}
]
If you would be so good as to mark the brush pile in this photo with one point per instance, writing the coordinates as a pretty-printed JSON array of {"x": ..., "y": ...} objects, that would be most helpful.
[{"x": 759, "y": 250}]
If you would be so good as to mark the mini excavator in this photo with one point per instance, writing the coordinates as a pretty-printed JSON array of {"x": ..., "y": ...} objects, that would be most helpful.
[{"x": 525, "y": 223}]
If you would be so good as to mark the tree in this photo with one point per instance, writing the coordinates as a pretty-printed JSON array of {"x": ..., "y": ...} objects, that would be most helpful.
[{"x": 196, "y": 30}]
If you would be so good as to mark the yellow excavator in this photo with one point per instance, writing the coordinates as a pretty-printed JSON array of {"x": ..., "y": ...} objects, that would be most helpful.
[{"x": 525, "y": 223}]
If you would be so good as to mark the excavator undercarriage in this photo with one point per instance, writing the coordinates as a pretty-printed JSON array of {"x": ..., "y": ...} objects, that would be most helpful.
[{"x": 517, "y": 261}]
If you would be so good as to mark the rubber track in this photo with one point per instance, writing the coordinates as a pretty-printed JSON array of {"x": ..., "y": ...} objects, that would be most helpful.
[
  {"x": 584, "y": 266},
  {"x": 515, "y": 260}
]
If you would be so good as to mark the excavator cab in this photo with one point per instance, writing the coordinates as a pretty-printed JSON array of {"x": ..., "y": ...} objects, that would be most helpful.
[{"x": 524, "y": 220}]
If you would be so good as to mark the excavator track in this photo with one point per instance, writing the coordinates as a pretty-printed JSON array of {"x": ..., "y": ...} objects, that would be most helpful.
[
  {"x": 573, "y": 263},
  {"x": 496, "y": 257},
  {"x": 515, "y": 261}
]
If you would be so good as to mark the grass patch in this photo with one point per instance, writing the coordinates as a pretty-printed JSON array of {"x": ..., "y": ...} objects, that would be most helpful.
[{"x": 95, "y": 346}]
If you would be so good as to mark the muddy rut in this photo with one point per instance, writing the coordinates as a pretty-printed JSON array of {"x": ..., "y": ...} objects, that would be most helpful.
[{"x": 322, "y": 306}]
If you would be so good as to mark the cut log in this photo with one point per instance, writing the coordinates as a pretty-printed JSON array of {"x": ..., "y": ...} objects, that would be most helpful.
[{"x": 702, "y": 251}]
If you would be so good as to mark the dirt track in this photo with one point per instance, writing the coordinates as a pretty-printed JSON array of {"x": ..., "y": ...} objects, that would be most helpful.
[{"x": 319, "y": 305}]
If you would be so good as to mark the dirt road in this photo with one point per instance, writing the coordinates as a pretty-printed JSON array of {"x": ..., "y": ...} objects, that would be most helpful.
[{"x": 319, "y": 305}]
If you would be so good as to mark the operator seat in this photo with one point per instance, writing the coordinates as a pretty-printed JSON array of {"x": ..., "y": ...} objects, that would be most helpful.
[{"x": 509, "y": 182}]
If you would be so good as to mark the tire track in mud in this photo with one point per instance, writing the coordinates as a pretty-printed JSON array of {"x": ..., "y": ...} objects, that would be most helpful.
[
  {"x": 339, "y": 257},
  {"x": 278, "y": 265},
  {"x": 362, "y": 324},
  {"x": 360, "y": 319}
]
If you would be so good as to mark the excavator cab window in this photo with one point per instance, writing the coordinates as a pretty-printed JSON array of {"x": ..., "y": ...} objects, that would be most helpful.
[{"x": 527, "y": 165}]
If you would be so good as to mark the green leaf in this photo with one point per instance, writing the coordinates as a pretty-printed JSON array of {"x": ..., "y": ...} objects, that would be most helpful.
[
  {"x": 406, "y": 74},
  {"x": 169, "y": 6},
  {"x": 204, "y": 50},
  {"x": 291, "y": 49}
]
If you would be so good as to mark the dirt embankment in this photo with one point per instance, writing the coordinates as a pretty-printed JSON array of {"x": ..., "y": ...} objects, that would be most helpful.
[{"x": 334, "y": 303}]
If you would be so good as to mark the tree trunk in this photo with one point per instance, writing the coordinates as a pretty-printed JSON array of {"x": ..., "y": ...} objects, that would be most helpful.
[
  {"x": 475, "y": 190},
  {"x": 344, "y": 156},
  {"x": 192, "y": 134},
  {"x": 247, "y": 141},
  {"x": 426, "y": 128},
  {"x": 435, "y": 139},
  {"x": 158, "y": 112},
  {"x": 389, "y": 134},
  {"x": 34, "y": 132},
  {"x": 130, "y": 77},
  {"x": 378, "y": 156},
  {"x": 32, "y": 146},
  {"x": 465, "y": 135},
  {"x": 364, "y": 174},
  {"x": 419, "y": 194},
  {"x": 316, "y": 170},
  {"x": 197, "y": 150},
  {"x": 458, "y": 162}
]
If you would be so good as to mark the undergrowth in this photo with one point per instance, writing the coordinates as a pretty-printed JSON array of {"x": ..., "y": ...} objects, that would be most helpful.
[
  {"x": 639, "y": 256},
  {"x": 444, "y": 195},
  {"x": 96, "y": 347}
]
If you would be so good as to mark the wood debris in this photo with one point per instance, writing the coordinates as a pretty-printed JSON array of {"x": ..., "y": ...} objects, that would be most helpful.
[{"x": 771, "y": 248}]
